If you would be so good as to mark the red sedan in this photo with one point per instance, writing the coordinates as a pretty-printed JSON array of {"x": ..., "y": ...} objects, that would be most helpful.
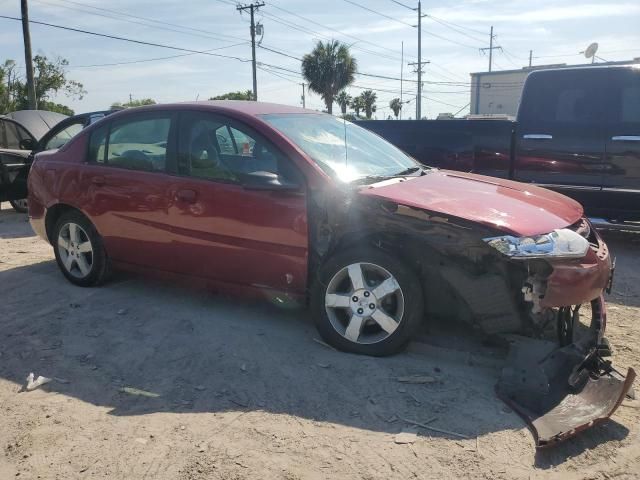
[{"x": 276, "y": 201}]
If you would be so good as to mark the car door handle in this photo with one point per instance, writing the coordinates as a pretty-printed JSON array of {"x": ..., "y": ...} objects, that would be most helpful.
[
  {"x": 537, "y": 136},
  {"x": 187, "y": 196},
  {"x": 99, "y": 181},
  {"x": 626, "y": 138}
]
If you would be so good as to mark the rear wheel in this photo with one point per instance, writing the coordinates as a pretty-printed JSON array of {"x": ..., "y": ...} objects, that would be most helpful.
[
  {"x": 79, "y": 250},
  {"x": 365, "y": 301},
  {"x": 20, "y": 206}
]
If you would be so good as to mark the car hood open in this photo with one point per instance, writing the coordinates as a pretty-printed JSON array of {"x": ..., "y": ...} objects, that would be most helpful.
[{"x": 513, "y": 207}]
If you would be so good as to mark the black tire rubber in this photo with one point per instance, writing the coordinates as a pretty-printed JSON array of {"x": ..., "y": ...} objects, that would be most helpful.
[
  {"x": 17, "y": 207},
  {"x": 100, "y": 267},
  {"x": 411, "y": 290}
]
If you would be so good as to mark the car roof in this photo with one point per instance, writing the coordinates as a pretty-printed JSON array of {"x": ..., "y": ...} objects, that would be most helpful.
[
  {"x": 36, "y": 122},
  {"x": 241, "y": 106}
]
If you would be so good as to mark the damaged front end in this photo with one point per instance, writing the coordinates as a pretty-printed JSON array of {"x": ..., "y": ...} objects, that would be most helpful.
[{"x": 557, "y": 378}]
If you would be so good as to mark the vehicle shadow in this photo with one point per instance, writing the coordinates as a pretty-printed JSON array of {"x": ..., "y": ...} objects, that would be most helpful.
[
  {"x": 138, "y": 346},
  {"x": 13, "y": 224}
]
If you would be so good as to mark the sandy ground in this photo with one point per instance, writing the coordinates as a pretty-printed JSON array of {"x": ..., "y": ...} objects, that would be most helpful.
[{"x": 156, "y": 381}]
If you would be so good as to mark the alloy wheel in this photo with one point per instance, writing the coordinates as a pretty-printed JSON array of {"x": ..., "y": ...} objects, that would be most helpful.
[
  {"x": 364, "y": 303},
  {"x": 75, "y": 249}
]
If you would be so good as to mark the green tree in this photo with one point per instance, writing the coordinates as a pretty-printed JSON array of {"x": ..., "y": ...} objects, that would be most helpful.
[
  {"x": 396, "y": 106},
  {"x": 50, "y": 79},
  {"x": 344, "y": 100},
  {"x": 246, "y": 95},
  {"x": 134, "y": 103},
  {"x": 328, "y": 69},
  {"x": 369, "y": 98},
  {"x": 357, "y": 103}
]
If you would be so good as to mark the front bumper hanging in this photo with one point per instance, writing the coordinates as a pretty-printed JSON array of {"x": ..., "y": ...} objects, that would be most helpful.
[{"x": 562, "y": 391}]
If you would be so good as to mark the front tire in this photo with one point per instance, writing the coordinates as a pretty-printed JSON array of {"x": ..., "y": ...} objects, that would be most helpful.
[
  {"x": 367, "y": 302},
  {"x": 79, "y": 250}
]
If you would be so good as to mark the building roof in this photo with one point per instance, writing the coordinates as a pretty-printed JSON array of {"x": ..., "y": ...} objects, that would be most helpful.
[{"x": 559, "y": 66}]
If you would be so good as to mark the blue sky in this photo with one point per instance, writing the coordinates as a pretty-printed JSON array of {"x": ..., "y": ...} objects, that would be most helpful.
[{"x": 556, "y": 31}]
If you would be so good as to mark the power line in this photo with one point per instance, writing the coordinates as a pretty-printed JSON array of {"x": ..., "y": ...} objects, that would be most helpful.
[
  {"x": 402, "y": 4},
  {"x": 151, "y": 20},
  {"x": 153, "y": 59},
  {"x": 333, "y": 29},
  {"x": 379, "y": 13},
  {"x": 131, "y": 40}
]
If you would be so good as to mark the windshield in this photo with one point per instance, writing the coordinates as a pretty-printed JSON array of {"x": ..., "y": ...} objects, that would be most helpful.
[{"x": 343, "y": 150}]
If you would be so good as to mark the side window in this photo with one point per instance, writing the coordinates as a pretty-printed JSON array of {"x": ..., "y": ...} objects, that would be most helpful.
[
  {"x": 63, "y": 136},
  {"x": 97, "y": 144},
  {"x": 139, "y": 144},
  {"x": 216, "y": 148},
  {"x": 631, "y": 103},
  {"x": 563, "y": 98},
  {"x": 11, "y": 135}
]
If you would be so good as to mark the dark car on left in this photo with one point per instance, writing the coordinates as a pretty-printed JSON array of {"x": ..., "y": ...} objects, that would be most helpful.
[{"x": 26, "y": 132}]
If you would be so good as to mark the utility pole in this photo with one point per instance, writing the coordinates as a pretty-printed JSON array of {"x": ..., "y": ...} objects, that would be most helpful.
[
  {"x": 28, "y": 60},
  {"x": 491, "y": 47},
  {"x": 401, "y": 72},
  {"x": 252, "y": 7},
  {"x": 419, "y": 104},
  {"x": 303, "y": 99},
  {"x": 530, "y": 57},
  {"x": 419, "y": 94}
]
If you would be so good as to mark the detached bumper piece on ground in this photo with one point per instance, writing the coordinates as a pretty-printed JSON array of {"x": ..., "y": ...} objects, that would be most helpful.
[{"x": 561, "y": 391}]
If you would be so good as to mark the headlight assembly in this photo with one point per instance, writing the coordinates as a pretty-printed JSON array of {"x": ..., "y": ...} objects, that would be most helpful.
[{"x": 563, "y": 243}]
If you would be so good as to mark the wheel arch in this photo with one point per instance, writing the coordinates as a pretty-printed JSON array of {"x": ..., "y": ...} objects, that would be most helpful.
[{"x": 54, "y": 212}]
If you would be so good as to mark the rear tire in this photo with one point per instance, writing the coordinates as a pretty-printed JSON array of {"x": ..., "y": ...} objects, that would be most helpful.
[
  {"x": 365, "y": 301},
  {"x": 79, "y": 250},
  {"x": 20, "y": 205}
]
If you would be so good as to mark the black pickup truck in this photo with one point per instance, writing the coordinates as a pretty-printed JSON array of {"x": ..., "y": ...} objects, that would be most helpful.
[{"x": 577, "y": 132}]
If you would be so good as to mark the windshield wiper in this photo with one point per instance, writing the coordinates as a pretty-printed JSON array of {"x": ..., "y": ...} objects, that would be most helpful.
[{"x": 408, "y": 171}]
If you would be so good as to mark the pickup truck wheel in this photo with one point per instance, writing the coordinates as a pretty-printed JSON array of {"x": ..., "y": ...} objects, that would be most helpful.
[
  {"x": 20, "y": 206},
  {"x": 79, "y": 250},
  {"x": 365, "y": 301}
]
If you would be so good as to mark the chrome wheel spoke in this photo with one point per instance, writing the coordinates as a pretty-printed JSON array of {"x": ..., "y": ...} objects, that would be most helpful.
[
  {"x": 336, "y": 300},
  {"x": 353, "y": 329},
  {"x": 387, "y": 287},
  {"x": 356, "y": 276},
  {"x": 83, "y": 265},
  {"x": 85, "y": 247},
  {"x": 73, "y": 233},
  {"x": 63, "y": 243},
  {"x": 68, "y": 263},
  {"x": 387, "y": 323}
]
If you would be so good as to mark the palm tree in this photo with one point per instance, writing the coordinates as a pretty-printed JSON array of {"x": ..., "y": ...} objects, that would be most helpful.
[
  {"x": 357, "y": 103},
  {"x": 344, "y": 100},
  {"x": 328, "y": 69},
  {"x": 396, "y": 106},
  {"x": 369, "y": 99}
]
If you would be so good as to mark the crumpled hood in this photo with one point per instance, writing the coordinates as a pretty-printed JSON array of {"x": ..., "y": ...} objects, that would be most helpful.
[{"x": 513, "y": 207}]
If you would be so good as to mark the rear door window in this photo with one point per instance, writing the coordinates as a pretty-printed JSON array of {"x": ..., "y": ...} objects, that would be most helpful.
[
  {"x": 137, "y": 143},
  {"x": 563, "y": 98},
  {"x": 625, "y": 101}
]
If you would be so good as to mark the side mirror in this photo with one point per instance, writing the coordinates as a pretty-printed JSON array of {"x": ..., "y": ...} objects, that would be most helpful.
[
  {"x": 27, "y": 144},
  {"x": 267, "y": 181}
]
